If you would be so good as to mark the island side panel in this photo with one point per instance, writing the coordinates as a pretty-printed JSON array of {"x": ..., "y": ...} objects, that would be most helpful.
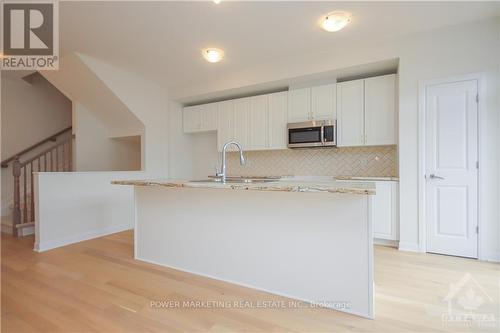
[{"x": 308, "y": 246}]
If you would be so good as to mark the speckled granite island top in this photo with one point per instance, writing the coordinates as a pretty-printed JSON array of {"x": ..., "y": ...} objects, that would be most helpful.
[{"x": 285, "y": 185}]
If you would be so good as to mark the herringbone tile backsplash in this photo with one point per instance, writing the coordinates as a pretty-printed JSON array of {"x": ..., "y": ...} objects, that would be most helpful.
[{"x": 354, "y": 161}]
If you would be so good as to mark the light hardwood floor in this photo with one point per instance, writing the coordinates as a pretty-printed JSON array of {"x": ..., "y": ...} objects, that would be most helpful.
[{"x": 97, "y": 286}]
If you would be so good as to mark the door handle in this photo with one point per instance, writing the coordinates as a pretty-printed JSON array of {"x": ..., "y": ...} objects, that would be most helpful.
[{"x": 433, "y": 176}]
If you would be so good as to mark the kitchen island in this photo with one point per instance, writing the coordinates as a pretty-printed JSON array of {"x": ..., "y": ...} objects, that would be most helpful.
[{"x": 306, "y": 240}]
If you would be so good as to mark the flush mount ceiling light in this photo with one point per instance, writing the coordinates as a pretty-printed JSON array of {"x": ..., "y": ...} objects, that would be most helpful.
[
  {"x": 212, "y": 54},
  {"x": 217, "y": 1},
  {"x": 335, "y": 21}
]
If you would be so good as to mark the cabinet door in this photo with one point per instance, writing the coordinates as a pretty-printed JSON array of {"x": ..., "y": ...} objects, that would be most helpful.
[
  {"x": 350, "y": 113},
  {"x": 384, "y": 210},
  {"x": 299, "y": 105},
  {"x": 241, "y": 122},
  {"x": 380, "y": 110},
  {"x": 209, "y": 117},
  {"x": 191, "y": 119},
  {"x": 225, "y": 127},
  {"x": 277, "y": 120},
  {"x": 323, "y": 102},
  {"x": 259, "y": 123}
]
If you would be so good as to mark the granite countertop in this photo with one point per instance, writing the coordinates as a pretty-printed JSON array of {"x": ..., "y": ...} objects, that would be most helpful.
[
  {"x": 286, "y": 185},
  {"x": 366, "y": 178}
]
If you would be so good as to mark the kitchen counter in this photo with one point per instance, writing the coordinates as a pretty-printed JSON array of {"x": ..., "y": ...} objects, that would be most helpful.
[
  {"x": 366, "y": 178},
  {"x": 285, "y": 185},
  {"x": 315, "y": 247}
]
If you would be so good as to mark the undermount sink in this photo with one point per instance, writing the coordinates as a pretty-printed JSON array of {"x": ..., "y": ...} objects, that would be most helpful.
[{"x": 234, "y": 180}]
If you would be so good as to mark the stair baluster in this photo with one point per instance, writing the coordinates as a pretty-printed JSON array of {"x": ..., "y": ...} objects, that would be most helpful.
[{"x": 24, "y": 211}]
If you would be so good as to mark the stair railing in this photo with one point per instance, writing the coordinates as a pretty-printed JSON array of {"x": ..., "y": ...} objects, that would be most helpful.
[{"x": 54, "y": 159}]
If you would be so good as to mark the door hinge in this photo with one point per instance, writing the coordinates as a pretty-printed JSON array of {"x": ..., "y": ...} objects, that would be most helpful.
[
  {"x": 477, "y": 229},
  {"x": 477, "y": 98},
  {"x": 477, "y": 164}
]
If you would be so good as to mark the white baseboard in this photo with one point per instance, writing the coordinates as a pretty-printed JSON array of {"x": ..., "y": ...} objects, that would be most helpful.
[
  {"x": 491, "y": 256},
  {"x": 410, "y": 247},
  {"x": 7, "y": 229},
  {"x": 55, "y": 243},
  {"x": 386, "y": 242}
]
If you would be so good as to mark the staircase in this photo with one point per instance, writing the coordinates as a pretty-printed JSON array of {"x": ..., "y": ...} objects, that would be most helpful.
[{"x": 57, "y": 158}]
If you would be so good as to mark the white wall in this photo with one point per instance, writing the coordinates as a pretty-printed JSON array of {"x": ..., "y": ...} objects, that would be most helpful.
[
  {"x": 80, "y": 84},
  {"x": 75, "y": 206},
  {"x": 37, "y": 107},
  {"x": 148, "y": 102},
  {"x": 449, "y": 51},
  {"x": 95, "y": 151},
  {"x": 30, "y": 112},
  {"x": 71, "y": 207}
]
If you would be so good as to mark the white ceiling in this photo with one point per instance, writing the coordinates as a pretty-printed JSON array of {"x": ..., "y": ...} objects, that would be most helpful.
[{"x": 163, "y": 40}]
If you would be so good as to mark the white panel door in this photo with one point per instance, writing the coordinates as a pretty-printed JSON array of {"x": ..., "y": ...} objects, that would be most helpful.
[
  {"x": 209, "y": 117},
  {"x": 259, "y": 123},
  {"x": 278, "y": 120},
  {"x": 225, "y": 127},
  {"x": 241, "y": 122},
  {"x": 380, "y": 110},
  {"x": 299, "y": 105},
  {"x": 323, "y": 102},
  {"x": 350, "y": 113},
  {"x": 451, "y": 169}
]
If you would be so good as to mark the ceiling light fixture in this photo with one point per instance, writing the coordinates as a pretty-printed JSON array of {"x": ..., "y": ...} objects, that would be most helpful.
[
  {"x": 217, "y": 2},
  {"x": 335, "y": 21},
  {"x": 213, "y": 55}
]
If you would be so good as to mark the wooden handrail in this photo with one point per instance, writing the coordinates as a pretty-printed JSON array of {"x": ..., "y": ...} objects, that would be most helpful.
[
  {"x": 37, "y": 156},
  {"x": 5, "y": 163}
]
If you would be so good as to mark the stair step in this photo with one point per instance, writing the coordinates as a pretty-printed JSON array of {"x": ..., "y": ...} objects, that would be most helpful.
[{"x": 25, "y": 225}]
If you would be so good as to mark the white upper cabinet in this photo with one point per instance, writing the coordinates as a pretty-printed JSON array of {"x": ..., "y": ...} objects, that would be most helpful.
[
  {"x": 259, "y": 123},
  {"x": 278, "y": 108},
  {"x": 350, "y": 113},
  {"x": 380, "y": 110},
  {"x": 209, "y": 116},
  {"x": 366, "y": 112},
  {"x": 323, "y": 102},
  {"x": 200, "y": 118},
  {"x": 191, "y": 119},
  {"x": 315, "y": 103},
  {"x": 299, "y": 105},
  {"x": 241, "y": 122},
  {"x": 225, "y": 127}
]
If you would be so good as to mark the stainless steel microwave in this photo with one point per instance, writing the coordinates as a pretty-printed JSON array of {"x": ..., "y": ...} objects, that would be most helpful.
[{"x": 315, "y": 133}]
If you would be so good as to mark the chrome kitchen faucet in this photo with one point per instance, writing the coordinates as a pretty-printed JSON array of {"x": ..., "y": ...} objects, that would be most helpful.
[{"x": 223, "y": 174}]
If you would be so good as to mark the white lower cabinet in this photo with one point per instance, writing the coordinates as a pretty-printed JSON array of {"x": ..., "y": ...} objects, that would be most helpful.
[{"x": 385, "y": 210}]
